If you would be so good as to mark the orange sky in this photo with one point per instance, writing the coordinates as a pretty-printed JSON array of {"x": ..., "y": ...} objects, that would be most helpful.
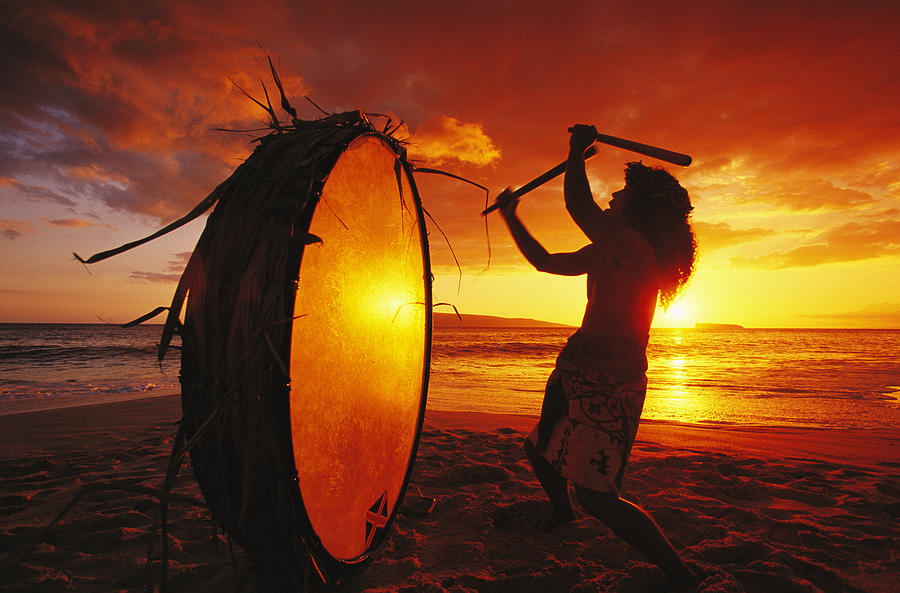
[{"x": 788, "y": 108}]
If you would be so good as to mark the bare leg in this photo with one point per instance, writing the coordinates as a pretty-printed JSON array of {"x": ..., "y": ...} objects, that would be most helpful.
[
  {"x": 556, "y": 487},
  {"x": 635, "y": 526}
]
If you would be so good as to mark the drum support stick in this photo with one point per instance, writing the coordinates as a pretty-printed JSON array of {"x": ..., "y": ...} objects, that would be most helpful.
[{"x": 662, "y": 154}]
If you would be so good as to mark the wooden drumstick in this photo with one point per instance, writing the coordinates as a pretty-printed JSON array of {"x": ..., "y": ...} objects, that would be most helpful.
[
  {"x": 656, "y": 152},
  {"x": 676, "y": 158}
]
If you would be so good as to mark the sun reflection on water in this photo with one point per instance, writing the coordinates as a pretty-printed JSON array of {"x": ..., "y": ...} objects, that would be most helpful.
[{"x": 670, "y": 396}]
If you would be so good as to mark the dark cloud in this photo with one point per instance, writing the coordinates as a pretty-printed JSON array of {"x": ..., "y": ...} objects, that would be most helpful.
[
  {"x": 886, "y": 315},
  {"x": 171, "y": 276},
  {"x": 797, "y": 194},
  {"x": 11, "y": 190},
  {"x": 78, "y": 223},
  {"x": 849, "y": 242},
  {"x": 131, "y": 91},
  {"x": 116, "y": 89},
  {"x": 712, "y": 236},
  {"x": 819, "y": 194},
  {"x": 160, "y": 277},
  {"x": 891, "y": 214},
  {"x": 13, "y": 229},
  {"x": 163, "y": 185}
]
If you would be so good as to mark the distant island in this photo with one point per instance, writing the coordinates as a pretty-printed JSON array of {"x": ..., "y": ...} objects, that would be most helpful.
[
  {"x": 718, "y": 326},
  {"x": 442, "y": 320}
]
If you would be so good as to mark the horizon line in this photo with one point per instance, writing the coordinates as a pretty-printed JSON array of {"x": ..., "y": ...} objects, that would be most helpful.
[{"x": 549, "y": 325}]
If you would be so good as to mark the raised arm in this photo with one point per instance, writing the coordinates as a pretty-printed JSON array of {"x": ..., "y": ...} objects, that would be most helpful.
[
  {"x": 563, "y": 264},
  {"x": 579, "y": 199}
]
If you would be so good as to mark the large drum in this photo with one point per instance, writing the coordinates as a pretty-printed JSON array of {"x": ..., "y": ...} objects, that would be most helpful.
[{"x": 306, "y": 347}]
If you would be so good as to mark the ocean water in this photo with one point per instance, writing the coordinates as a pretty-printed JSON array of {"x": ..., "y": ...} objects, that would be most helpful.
[
  {"x": 757, "y": 377},
  {"x": 59, "y": 365},
  {"x": 818, "y": 378}
]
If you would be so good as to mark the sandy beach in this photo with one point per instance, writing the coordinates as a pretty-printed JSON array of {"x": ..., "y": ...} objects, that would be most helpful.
[{"x": 755, "y": 509}]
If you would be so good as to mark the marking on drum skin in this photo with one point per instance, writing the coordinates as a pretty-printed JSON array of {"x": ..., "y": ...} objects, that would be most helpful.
[{"x": 376, "y": 518}]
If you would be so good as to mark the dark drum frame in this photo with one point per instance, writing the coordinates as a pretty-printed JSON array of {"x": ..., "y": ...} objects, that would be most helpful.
[{"x": 240, "y": 284}]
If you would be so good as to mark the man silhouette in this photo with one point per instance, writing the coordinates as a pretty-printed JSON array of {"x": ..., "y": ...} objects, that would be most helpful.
[{"x": 641, "y": 249}]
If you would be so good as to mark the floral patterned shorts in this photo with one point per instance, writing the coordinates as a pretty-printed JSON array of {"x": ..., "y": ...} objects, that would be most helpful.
[{"x": 591, "y": 441}]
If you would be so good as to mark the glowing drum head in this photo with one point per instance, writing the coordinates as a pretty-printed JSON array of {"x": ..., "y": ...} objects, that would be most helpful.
[{"x": 359, "y": 349}]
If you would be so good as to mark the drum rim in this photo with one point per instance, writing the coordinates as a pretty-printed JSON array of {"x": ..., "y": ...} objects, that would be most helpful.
[
  {"x": 280, "y": 203},
  {"x": 330, "y": 568}
]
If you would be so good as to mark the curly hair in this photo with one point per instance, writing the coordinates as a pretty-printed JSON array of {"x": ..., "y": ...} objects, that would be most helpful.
[{"x": 660, "y": 210}]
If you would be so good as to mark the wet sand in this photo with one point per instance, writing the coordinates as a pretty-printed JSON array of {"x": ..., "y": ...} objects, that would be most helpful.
[{"x": 756, "y": 509}]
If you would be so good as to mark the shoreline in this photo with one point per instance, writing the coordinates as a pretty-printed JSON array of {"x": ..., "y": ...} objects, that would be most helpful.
[
  {"x": 757, "y": 510},
  {"x": 871, "y": 447}
]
